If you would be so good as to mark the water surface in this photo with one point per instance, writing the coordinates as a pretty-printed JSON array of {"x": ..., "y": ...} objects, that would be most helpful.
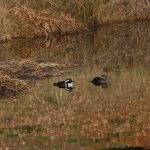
[{"x": 88, "y": 117}]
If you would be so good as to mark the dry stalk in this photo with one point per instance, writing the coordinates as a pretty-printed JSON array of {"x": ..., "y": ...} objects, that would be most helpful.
[{"x": 9, "y": 86}]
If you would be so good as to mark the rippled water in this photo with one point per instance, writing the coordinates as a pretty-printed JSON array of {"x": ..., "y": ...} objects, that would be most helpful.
[{"x": 88, "y": 117}]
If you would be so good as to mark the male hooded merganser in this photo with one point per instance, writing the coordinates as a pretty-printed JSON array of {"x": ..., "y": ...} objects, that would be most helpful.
[
  {"x": 67, "y": 84},
  {"x": 100, "y": 81}
]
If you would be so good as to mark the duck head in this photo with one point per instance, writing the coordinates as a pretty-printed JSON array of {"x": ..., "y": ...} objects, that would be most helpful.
[{"x": 69, "y": 80}]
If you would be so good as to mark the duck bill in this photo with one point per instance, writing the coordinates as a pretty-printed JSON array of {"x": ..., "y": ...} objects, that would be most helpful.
[{"x": 55, "y": 84}]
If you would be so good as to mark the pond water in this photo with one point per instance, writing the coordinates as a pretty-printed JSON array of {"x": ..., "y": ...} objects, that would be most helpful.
[{"x": 89, "y": 117}]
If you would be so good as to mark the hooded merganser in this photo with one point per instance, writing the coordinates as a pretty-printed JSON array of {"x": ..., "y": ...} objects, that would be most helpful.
[
  {"x": 100, "y": 81},
  {"x": 67, "y": 84}
]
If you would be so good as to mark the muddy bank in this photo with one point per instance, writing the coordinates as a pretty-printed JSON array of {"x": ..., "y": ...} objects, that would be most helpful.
[{"x": 12, "y": 74}]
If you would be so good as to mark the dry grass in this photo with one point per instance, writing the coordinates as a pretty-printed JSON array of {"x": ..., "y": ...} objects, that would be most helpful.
[
  {"x": 56, "y": 24},
  {"x": 28, "y": 23},
  {"x": 5, "y": 24},
  {"x": 11, "y": 72},
  {"x": 30, "y": 19},
  {"x": 29, "y": 69},
  {"x": 123, "y": 10},
  {"x": 9, "y": 86}
]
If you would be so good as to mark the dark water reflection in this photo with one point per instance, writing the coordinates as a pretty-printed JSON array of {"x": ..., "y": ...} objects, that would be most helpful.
[
  {"x": 89, "y": 117},
  {"x": 112, "y": 46}
]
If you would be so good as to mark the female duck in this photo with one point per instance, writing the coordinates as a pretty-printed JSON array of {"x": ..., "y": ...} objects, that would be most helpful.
[{"x": 101, "y": 81}]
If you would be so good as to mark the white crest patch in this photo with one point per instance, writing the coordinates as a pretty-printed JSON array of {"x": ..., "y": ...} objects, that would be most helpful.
[{"x": 69, "y": 85}]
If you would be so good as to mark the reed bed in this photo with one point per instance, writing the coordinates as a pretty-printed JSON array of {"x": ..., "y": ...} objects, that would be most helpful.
[
  {"x": 122, "y": 10},
  {"x": 29, "y": 23},
  {"x": 5, "y": 24},
  {"x": 56, "y": 24},
  {"x": 30, "y": 19}
]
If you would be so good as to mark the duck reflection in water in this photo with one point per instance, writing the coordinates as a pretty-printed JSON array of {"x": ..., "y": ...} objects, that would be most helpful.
[
  {"x": 66, "y": 84},
  {"x": 101, "y": 81}
]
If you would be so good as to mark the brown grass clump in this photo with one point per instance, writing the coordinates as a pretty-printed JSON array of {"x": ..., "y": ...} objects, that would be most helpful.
[
  {"x": 30, "y": 24},
  {"x": 44, "y": 25},
  {"x": 9, "y": 86},
  {"x": 123, "y": 10},
  {"x": 30, "y": 69},
  {"x": 12, "y": 72}
]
